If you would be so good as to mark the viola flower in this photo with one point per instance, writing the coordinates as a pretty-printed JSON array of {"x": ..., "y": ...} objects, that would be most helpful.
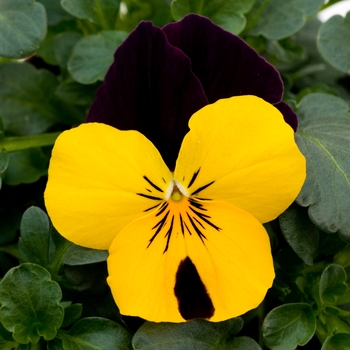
[{"x": 179, "y": 199}]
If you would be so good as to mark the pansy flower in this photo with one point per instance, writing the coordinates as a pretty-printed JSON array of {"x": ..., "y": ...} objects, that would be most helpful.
[{"x": 186, "y": 155}]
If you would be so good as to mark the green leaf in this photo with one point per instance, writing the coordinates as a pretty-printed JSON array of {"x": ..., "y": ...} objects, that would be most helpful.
[
  {"x": 72, "y": 314},
  {"x": 333, "y": 283},
  {"x": 323, "y": 137},
  {"x": 282, "y": 18},
  {"x": 28, "y": 102},
  {"x": 242, "y": 343},
  {"x": 229, "y": 14},
  {"x": 35, "y": 234},
  {"x": 4, "y": 160},
  {"x": 30, "y": 306},
  {"x": 54, "y": 11},
  {"x": 22, "y": 27},
  {"x": 299, "y": 232},
  {"x": 77, "y": 255},
  {"x": 96, "y": 334},
  {"x": 63, "y": 45},
  {"x": 2, "y": 129},
  {"x": 340, "y": 341},
  {"x": 102, "y": 12},
  {"x": 196, "y": 334},
  {"x": 92, "y": 56},
  {"x": 333, "y": 42},
  {"x": 288, "y": 326},
  {"x": 26, "y": 166}
]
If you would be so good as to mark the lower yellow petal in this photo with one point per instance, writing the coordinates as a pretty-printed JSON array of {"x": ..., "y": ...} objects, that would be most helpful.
[
  {"x": 208, "y": 260},
  {"x": 100, "y": 179}
]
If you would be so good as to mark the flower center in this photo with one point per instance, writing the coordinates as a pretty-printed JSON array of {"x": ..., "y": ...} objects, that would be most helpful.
[
  {"x": 175, "y": 191},
  {"x": 176, "y": 195}
]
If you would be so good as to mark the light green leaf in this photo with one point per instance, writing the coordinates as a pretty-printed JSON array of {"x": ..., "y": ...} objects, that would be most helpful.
[
  {"x": 229, "y": 14},
  {"x": 35, "y": 235},
  {"x": 288, "y": 326},
  {"x": 196, "y": 334},
  {"x": 29, "y": 302},
  {"x": 26, "y": 166},
  {"x": 340, "y": 341},
  {"x": 282, "y": 18},
  {"x": 323, "y": 137},
  {"x": 96, "y": 334},
  {"x": 92, "y": 56},
  {"x": 63, "y": 45},
  {"x": 54, "y": 11},
  {"x": 77, "y": 255},
  {"x": 333, "y": 42},
  {"x": 28, "y": 101},
  {"x": 102, "y": 12},
  {"x": 299, "y": 232},
  {"x": 22, "y": 27},
  {"x": 333, "y": 283}
]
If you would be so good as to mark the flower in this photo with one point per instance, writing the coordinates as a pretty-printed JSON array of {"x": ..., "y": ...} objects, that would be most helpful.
[{"x": 187, "y": 243}]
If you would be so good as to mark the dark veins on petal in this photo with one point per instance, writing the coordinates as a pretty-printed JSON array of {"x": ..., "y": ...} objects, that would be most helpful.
[
  {"x": 150, "y": 88},
  {"x": 192, "y": 296}
]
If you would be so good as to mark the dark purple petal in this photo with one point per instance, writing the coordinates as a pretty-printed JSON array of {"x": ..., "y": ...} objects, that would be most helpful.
[
  {"x": 150, "y": 88},
  {"x": 289, "y": 116},
  {"x": 224, "y": 63}
]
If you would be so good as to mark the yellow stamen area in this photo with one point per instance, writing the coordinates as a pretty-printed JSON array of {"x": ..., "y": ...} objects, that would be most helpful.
[{"x": 176, "y": 195}]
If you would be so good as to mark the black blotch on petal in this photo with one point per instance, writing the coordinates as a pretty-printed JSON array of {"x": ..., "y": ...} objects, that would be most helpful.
[{"x": 192, "y": 296}]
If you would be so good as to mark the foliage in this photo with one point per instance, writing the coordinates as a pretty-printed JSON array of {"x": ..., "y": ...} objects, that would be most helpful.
[{"x": 53, "y": 295}]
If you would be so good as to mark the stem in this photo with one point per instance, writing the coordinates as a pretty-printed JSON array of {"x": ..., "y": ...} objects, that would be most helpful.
[
  {"x": 19, "y": 143},
  {"x": 329, "y": 3}
]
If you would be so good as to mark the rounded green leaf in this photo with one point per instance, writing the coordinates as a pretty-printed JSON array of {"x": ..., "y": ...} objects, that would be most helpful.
[
  {"x": 340, "y": 341},
  {"x": 54, "y": 11},
  {"x": 102, "y": 12},
  {"x": 77, "y": 255},
  {"x": 34, "y": 241},
  {"x": 63, "y": 45},
  {"x": 323, "y": 138},
  {"x": 93, "y": 54},
  {"x": 96, "y": 334},
  {"x": 4, "y": 160},
  {"x": 333, "y": 42},
  {"x": 243, "y": 343},
  {"x": 29, "y": 305},
  {"x": 300, "y": 233},
  {"x": 28, "y": 102},
  {"x": 282, "y": 18},
  {"x": 229, "y": 14},
  {"x": 22, "y": 27},
  {"x": 288, "y": 326},
  {"x": 196, "y": 334},
  {"x": 333, "y": 283}
]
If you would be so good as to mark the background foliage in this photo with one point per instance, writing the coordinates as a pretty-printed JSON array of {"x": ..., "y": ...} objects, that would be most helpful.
[{"x": 53, "y": 294}]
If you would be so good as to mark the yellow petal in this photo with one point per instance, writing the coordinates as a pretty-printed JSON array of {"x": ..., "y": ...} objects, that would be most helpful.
[
  {"x": 190, "y": 259},
  {"x": 100, "y": 179},
  {"x": 240, "y": 151}
]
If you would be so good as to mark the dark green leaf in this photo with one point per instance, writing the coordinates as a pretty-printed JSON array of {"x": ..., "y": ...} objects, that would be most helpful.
[
  {"x": 96, "y": 334},
  {"x": 63, "y": 45},
  {"x": 343, "y": 257},
  {"x": 288, "y": 326},
  {"x": 35, "y": 235},
  {"x": 333, "y": 42},
  {"x": 75, "y": 93},
  {"x": 28, "y": 102},
  {"x": 196, "y": 334},
  {"x": 242, "y": 343},
  {"x": 26, "y": 166},
  {"x": 340, "y": 341},
  {"x": 229, "y": 14},
  {"x": 54, "y": 11},
  {"x": 300, "y": 232},
  {"x": 323, "y": 137},
  {"x": 77, "y": 255},
  {"x": 22, "y": 27},
  {"x": 72, "y": 314},
  {"x": 285, "y": 51},
  {"x": 4, "y": 160},
  {"x": 55, "y": 344},
  {"x": 2, "y": 129},
  {"x": 92, "y": 56},
  {"x": 30, "y": 306},
  {"x": 333, "y": 283},
  {"x": 282, "y": 18},
  {"x": 102, "y": 12}
]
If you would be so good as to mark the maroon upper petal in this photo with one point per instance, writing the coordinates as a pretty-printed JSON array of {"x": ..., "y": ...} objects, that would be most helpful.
[
  {"x": 150, "y": 87},
  {"x": 224, "y": 63}
]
